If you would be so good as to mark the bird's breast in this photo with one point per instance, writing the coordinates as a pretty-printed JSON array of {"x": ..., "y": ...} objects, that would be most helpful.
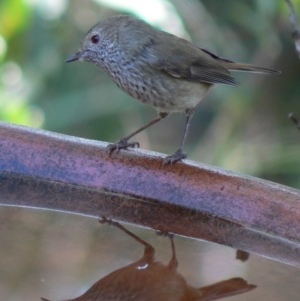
[{"x": 157, "y": 88}]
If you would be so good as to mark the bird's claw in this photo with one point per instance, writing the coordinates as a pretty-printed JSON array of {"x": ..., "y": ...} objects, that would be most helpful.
[
  {"x": 103, "y": 220},
  {"x": 164, "y": 233},
  {"x": 178, "y": 156},
  {"x": 121, "y": 144}
]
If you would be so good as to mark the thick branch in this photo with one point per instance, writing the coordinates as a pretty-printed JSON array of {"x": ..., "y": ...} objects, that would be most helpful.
[{"x": 46, "y": 170}]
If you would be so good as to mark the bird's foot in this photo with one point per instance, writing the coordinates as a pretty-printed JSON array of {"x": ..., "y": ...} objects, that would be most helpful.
[
  {"x": 121, "y": 144},
  {"x": 164, "y": 233},
  {"x": 110, "y": 222},
  {"x": 178, "y": 156},
  {"x": 104, "y": 220}
]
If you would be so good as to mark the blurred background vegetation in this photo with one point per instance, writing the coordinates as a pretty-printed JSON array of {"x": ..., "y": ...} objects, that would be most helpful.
[{"x": 243, "y": 128}]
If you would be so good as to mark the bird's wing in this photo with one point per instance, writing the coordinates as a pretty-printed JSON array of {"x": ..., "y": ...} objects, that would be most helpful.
[
  {"x": 231, "y": 65},
  {"x": 180, "y": 58}
]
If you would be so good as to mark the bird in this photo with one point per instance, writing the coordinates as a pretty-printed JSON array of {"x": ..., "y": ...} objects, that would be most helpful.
[
  {"x": 159, "y": 69},
  {"x": 148, "y": 280}
]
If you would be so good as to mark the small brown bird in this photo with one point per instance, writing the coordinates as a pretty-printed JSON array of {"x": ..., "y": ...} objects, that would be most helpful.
[
  {"x": 157, "y": 68},
  {"x": 149, "y": 280}
]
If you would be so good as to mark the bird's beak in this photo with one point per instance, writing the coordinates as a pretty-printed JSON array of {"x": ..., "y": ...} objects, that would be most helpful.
[{"x": 74, "y": 57}]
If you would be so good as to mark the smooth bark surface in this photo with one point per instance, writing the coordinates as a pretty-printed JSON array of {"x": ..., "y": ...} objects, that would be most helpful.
[{"x": 51, "y": 171}]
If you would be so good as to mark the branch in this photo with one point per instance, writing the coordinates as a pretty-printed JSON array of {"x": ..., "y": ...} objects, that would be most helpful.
[
  {"x": 295, "y": 31},
  {"x": 295, "y": 119},
  {"x": 57, "y": 172}
]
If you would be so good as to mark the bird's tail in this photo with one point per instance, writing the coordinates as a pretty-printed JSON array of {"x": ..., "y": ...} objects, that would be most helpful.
[
  {"x": 225, "y": 289},
  {"x": 247, "y": 68},
  {"x": 231, "y": 65}
]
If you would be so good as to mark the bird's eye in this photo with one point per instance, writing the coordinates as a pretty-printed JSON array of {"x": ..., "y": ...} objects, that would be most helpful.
[{"x": 95, "y": 39}]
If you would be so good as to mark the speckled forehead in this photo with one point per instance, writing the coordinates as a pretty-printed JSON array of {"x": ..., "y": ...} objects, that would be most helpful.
[
  {"x": 94, "y": 30},
  {"x": 102, "y": 28}
]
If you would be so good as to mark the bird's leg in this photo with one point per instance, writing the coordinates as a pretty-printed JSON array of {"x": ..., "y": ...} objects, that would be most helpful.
[
  {"x": 173, "y": 264},
  {"x": 148, "y": 251},
  {"x": 124, "y": 144},
  {"x": 179, "y": 154}
]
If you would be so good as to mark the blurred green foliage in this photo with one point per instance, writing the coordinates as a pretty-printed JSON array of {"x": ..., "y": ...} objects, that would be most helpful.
[{"x": 243, "y": 128}]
